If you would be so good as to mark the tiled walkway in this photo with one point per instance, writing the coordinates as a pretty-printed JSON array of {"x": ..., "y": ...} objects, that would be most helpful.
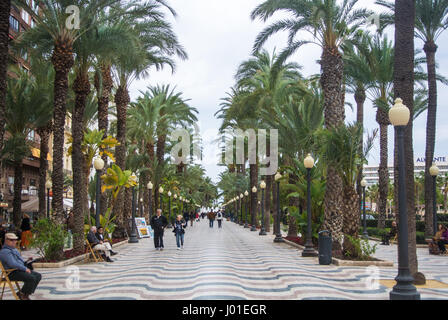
[{"x": 228, "y": 263}]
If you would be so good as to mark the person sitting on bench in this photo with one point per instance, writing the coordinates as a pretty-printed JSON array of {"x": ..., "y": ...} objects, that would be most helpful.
[
  {"x": 393, "y": 232},
  {"x": 98, "y": 245},
  {"x": 443, "y": 240},
  {"x": 100, "y": 236}
]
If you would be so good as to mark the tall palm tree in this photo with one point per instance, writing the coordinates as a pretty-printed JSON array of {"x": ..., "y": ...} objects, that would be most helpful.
[
  {"x": 24, "y": 102},
  {"x": 5, "y": 7},
  {"x": 330, "y": 24}
]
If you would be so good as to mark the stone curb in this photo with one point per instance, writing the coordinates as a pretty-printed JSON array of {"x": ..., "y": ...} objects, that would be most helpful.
[
  {"x": 352, "y": 263},
  {"x": 51, "y": 265}
]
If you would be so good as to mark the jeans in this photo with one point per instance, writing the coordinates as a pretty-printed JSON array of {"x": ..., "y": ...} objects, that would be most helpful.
[
  {"x": 211, "y": 223},
  {"x": 179, "y": 239},
  {"x": 158, "y": 238},
  {"x": 30, "y": 280},
  {"x": 219, "y": 223},
  {"x": 441, "y": 244}
]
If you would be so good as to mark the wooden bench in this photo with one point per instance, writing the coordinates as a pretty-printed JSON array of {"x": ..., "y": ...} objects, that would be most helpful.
[
  {"x": 4, "y": 280},
  {"x": 96, "y": 256}
]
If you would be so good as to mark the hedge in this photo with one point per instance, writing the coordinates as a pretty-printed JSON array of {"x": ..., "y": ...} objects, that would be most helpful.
[{"x": 378, "y": 233}]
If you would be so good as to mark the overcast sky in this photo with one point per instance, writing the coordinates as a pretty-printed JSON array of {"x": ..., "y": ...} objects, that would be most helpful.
[{"x": 218, "y": 35}]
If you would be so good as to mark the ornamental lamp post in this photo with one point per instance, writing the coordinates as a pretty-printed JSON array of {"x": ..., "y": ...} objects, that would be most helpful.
[
  {"x": 133, "y": 236},
  {"x": 254, "y": 216},
  {"x": 241, "y": 208},
  {"x": 262, "y": 186},
  {"x": 278, "y": 236},
  {"x": 246, "y": 193},
  {"x": 434, "y": 172},
  {"x": 177, "y": 204},
  {"x": 169, "y": 210},
  {"x": 150, "y": 186},
  {"x": 309, "y": 248},
  {"x": 364, "y": 185},
  {"x": 98, "y": 164},
  {"x": 399, "y": 116},
  {"x": 48, "y": 185},
  {"x": 160, "y": 198}
]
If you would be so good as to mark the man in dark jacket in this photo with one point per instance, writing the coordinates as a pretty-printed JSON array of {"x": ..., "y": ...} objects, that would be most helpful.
[
  {"x": 158, "y": 224},
  {"x": 11, "y": 259},
  {"x": 98, "y": 245},
  {"x": 100, "y": 236}
]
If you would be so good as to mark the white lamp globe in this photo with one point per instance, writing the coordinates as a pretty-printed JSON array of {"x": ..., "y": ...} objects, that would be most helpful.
[
  {"x": 399, "y": 114},
  {"x": 98, "y": 163}
]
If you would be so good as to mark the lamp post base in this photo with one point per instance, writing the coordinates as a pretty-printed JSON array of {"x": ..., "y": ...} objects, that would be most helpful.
[
  {"x": 253, "y": 228},
  {"x": 278, "y": 238},
  {"x": 309, "y": 252},
  {"x": 365, "y": 235},
  {"x": 262, "y": 232},
  {"x": 404, "y": 289},
  {"x": 246, "y": 226},
  {"x": 240, "y": 223},
  {"x": 133, "y": 239}
]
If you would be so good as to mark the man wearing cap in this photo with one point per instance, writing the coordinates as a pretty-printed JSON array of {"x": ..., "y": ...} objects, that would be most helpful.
[{"x": 11, "y": 259}]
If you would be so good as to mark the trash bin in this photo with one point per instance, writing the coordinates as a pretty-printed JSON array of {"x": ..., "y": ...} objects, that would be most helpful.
[{"x": 325, "y": 246}]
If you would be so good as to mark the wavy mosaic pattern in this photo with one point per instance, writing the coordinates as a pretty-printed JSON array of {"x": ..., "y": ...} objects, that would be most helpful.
[{"x": 231, "y": 264}]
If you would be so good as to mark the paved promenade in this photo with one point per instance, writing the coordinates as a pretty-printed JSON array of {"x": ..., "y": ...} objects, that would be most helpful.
[{"x": 228, "y": 263}]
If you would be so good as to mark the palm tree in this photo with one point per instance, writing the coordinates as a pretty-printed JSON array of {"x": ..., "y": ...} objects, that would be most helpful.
[
  {"x": 330, "y": 24},
  {"x": 24, "y": 102},
  {"x": 5, "y": 7}
]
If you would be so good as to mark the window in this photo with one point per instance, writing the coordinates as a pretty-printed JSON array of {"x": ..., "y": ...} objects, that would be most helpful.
[
  {"x": 31, "y": 135},
  {"x": 14, "y": 23},
  {"x": 25, "y": 16},
  {"x": 11, "y": 180}
]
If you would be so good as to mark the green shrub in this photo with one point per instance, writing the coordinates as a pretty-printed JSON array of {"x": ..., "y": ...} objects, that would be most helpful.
[
  {"x": 362, "y": 247},
  {"x": 49, "y": 239}
]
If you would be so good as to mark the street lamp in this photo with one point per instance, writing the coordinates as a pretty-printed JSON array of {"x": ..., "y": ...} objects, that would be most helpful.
[
  {"x": 262, "y": 230},
  {"x": 309, "y": 248},
  {"x": 399, "y": 116},
  {"x": 434, "y": 172},
  {"x": 241, "y": 208},
  {"x": 363, "y": 185},
  {"x": 278, "y": 236},
  {"x": 48, "y": 185},
  {"x": 246, "y": 193},
  {"x": 150, "y": 186},
  {"x": 169, "y": 210},
  {"x": 98, "y": 163},
  {"x": 254, "y": 212},
  {"x": 160, "y": 198},
  {"x": 133, "y": 235}
]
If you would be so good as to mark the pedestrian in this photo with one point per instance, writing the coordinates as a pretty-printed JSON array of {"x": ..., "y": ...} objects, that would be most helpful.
[
  {"x": 26, "y": 235},
  {"x": 191, "y": 218},
  {"x": 179, "y": 231},
  {"x": 11, "y": 259},
  {"x": 197, "y": 216},
  {"x": 158, "y": 224},
  {"x": 211, "y": 218},
  {"x": 219, "y": 218}
]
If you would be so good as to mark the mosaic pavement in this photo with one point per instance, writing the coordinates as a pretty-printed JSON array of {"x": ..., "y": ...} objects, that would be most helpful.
[{"x": 228, "y": 263}]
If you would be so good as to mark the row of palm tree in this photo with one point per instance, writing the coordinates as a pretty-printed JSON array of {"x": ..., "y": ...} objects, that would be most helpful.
[{"x": 117, "y": 42}]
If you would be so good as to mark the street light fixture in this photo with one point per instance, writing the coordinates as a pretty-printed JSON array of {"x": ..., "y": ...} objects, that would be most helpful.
[
  {"x": 98, "y": 163},
  {"x": 262, "y": 186},
  {"x": 434, "y": 172},
  {"x": 150, "y": 186},
  {"x": 246, "y": 193},
  {"x": 399, "y": 116},
  {"x": 278, "y": 236},
  {"x": 309, "y": 248},
  {"x": 169, "y": 210},
  {"x": 133, "y": 235},
  {"x": 254, "y": 212},
  {"x": 48, "y": 185},
  {"x": 364, "y": 185},
  {"x": 241, "y": 208}
]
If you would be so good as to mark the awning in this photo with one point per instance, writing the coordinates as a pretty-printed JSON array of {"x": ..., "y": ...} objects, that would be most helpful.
[
  {"x": 31, "y": 205},
  {"x": 36, "y": 153}
]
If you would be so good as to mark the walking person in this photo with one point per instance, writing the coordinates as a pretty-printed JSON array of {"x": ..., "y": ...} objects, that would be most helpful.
[
  {"x": 191, "y": 218},
  {"x": 179, "y": 231},
  {"x": 158, "y": 224},
  {"x": 26, "y": 235},
  {"x": 219, "y": 217},
  {"x": 211, "y": 218}
]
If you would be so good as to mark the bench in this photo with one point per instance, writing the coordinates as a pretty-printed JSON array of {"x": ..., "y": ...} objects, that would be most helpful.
[
  {"x": 96, "y": 256},
  {"x": 4, "y": 280}
]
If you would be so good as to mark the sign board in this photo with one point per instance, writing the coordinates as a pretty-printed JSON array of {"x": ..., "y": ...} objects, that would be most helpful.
[
  {"x": 143, "y": 230},
  {"x": 3, "y": 205}
]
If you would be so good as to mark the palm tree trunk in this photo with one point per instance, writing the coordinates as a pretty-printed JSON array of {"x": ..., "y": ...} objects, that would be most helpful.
[
  {"x": 122, "y": 100},
  {"x": 17, "y": 201},
  {"x": 253, "y": 174},
  {"x": 404, "y": 88},
  {"x": 430, "y": 49},
  {"x": 81, "y": 87},
  {"x": 5, "y": 7},
  {"x": 360, "y": 98},
  {"x": 332, "y": 67},
  {"x": 44, "y": 134},
  {"x": 103, "y": 88},
  {"x": 383, "y": 174},
  {"x": 351, "y": 218},
  {"x": 62, "y": 60}
]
